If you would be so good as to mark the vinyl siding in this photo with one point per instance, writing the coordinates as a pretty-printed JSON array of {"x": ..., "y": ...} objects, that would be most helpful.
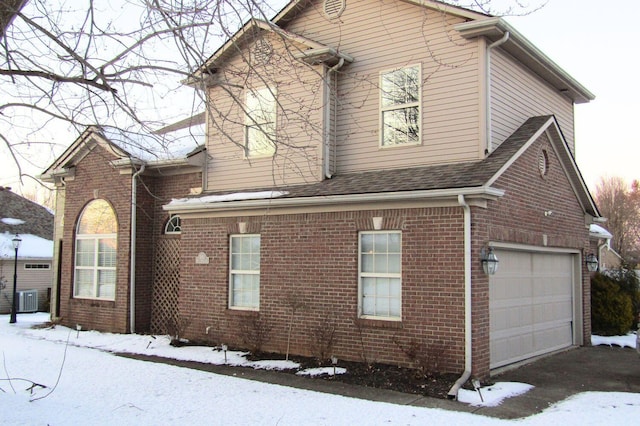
[
  {"x": 27, "y": 279},
  {"x": 382, "y": 36},
  {"x": 518, "y": 94},
  {"x": 298, "y": 88}
]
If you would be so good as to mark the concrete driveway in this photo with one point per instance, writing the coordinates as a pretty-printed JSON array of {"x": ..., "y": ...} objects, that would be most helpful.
[{"x": 556, "y": 377}]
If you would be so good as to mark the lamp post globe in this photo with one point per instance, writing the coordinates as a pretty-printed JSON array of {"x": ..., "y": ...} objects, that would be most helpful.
[{"x": 14, "y": 306}]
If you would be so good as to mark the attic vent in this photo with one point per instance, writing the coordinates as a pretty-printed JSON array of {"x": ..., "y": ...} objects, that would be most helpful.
[
  {"x": 262, "y": 51},
  {"x": 543, "y": 163},
  {"x": 334, "y": 8}
]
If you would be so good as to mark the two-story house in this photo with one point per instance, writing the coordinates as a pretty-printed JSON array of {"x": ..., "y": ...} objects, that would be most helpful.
[{"x": 367, "y": 166}]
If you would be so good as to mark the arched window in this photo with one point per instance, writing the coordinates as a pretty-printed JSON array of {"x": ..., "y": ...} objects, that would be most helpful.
[
  {"x": 96, "y": 252},
  {"x": 173, "y": 225}
]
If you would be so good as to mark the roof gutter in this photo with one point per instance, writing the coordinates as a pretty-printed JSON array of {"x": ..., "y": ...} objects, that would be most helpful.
[
  {"x": 475, "y": 192},
  {"x": 132, "y": 261}
]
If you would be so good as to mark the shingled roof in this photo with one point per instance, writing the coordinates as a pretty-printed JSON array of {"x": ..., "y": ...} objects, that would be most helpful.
[
  {"x": 32, "y": 218},
  {"x": 465, "y": 177}
]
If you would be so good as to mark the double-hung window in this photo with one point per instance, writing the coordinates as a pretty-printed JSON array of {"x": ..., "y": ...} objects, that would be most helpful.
[
  {"x": 96, "y": 252},
  {"x": 380, "y": 275},
  {"x": 260, "y": 122},
  {"x": 400, "y": 106},
  {"x": 244, "y": 272}
]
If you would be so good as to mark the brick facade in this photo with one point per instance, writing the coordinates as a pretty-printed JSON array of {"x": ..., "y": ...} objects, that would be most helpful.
[{"x": 95, "y": 178}]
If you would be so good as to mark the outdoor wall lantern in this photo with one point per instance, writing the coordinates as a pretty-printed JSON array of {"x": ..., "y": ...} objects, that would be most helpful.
[
  {"x": 592, "y": 262},
  {"x": 489, "y": 261},
  {"x": 14, "y": 307}
]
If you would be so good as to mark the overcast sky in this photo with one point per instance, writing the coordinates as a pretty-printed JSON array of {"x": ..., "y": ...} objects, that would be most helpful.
[{"x": 595, "y": 42}]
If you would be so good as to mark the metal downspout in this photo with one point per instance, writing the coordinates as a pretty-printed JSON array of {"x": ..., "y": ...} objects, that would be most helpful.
[
  {"x": 497, "y": 43},
  {"x": 453, "y": 392},
  {"x": 132, "y": 261},
  {"x": 327, "y": 119}
]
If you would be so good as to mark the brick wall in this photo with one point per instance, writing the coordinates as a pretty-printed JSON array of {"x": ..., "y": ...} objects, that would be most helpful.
[
  {"x": 311, "y": 261},
  {"x": 95, "y": 178},
  {"x": 519, "y": 218}
]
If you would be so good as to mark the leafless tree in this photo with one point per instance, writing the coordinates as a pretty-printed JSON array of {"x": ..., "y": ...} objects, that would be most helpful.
[{"x": 619, "y": 202}]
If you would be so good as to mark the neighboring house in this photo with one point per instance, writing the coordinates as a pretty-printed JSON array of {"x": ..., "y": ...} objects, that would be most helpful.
[
  {"x": 608, "y": 258},
  {"x": 34, "y": 225},
  {"x": 362, "y": 159}
]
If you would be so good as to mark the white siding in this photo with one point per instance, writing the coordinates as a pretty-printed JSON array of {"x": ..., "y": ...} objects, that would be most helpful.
[
  {"x": 28, "y": 279},
  {"x": 518, "y": 94}
]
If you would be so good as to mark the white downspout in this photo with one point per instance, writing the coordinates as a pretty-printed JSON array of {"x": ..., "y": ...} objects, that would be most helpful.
[
  {"x": 453, "y": 392},
  {"x": 132, "y": 262},
  {"x": 487, "y": 64},
  {"x": 327, "y": 118}
]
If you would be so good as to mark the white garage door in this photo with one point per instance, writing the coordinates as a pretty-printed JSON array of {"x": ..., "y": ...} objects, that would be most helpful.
[{"x": 531, "y": 305}]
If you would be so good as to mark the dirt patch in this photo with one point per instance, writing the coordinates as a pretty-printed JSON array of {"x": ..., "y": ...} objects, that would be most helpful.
[{"x": 381, "y": 376}]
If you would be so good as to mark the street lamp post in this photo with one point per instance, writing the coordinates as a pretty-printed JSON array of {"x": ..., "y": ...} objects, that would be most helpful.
[{"x": 14, "y": 308}]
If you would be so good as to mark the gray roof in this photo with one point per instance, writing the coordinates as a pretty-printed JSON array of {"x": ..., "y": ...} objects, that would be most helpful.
[
  {"x": 37, "y": 219},
  {"x": 442, "y": 176}
]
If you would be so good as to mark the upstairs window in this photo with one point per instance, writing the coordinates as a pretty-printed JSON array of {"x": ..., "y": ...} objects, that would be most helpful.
[
  {"x": 260, "y": 123},
  {"x": 96, "y": 252},
  {"x": 400, "y": 106}
]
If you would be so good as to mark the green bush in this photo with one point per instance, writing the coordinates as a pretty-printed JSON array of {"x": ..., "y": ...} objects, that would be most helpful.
[{"x": 611, "y": 308}]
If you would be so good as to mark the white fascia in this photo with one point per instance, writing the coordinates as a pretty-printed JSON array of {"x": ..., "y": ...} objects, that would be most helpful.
[{"x": 473, "y": 192}]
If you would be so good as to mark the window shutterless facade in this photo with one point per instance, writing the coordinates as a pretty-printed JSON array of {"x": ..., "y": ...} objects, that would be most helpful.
[
  {"x": 244, "y": 272},
  {"x": 260, "y": 122},
  {"x": 96, "y": 252},
  {"x": 400, "y": 106},
  {"x": 380, "y": 275}
]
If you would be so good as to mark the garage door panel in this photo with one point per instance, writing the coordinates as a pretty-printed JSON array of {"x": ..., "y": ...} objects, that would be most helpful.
[{"x": 531, "y": 305}]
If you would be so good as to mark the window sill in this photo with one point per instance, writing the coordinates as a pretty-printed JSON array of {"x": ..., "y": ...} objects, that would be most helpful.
[
  {"x": 402, "y": 145},
  {"x": 384, "y": 323},
  {"x": 94, "y": 303}
]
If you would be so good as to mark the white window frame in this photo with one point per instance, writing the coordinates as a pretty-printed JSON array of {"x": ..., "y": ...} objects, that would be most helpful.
[
  {"x": 95, "y": 268},
  {"x": 171, "y": 228},
  {"x": 363, "y": 275},
  {"x": 243, "y": 272},
  {"x": 400, "y": 106},
  {"x": 263, "y": 97}
]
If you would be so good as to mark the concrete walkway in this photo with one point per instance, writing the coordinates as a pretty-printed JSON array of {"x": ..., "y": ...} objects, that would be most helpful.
[{"x": 556, "y": 377}]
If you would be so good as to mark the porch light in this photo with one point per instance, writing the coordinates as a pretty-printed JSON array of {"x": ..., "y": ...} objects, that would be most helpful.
[
  {"x": 592, "y": 262},
  {"x": 489, "y": 261}
]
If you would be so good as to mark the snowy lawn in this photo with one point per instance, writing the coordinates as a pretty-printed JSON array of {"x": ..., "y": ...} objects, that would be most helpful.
[{"x": 89, "y": 386}]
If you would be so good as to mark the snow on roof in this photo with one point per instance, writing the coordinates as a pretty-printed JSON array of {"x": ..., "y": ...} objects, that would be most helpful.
[
  {"x": 11, "y": 221},
  {"x": 31, "y": 247},
  {"x": 148, "y": 147},
  {"x": 237, "y": 196},
  {"x": 598, "y": 231}
]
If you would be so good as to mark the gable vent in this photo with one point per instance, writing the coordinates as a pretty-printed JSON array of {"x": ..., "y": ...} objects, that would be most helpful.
[
  {"x": 543, "y": 163},
  {"x": 334, "y": 8},
  {"x": 262, "y": 51}
]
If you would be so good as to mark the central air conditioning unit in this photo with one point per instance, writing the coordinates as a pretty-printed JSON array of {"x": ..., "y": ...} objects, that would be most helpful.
[{"x": 28, "y": 301}]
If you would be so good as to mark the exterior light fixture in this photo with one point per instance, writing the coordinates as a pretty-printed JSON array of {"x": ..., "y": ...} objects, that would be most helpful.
[
  {"x": 592, "y": 262},
  {"x": 489, "y": 261},
  {"x": 14, "y": 306}
]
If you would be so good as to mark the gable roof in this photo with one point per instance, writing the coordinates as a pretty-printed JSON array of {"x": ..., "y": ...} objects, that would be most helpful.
[
  {"x": 33, "y": 222},
  {"x": 314, "y": 51},
  {"x": 436, "y": 181},
  {"x": 166, "y": 147}
]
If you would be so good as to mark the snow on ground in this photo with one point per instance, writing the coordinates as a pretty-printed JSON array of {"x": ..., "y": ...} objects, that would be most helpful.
[
  {"x": 89, "y": 386},
  {"x": 491, "y": 396},
  {"x": 628, "y": 341}
]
